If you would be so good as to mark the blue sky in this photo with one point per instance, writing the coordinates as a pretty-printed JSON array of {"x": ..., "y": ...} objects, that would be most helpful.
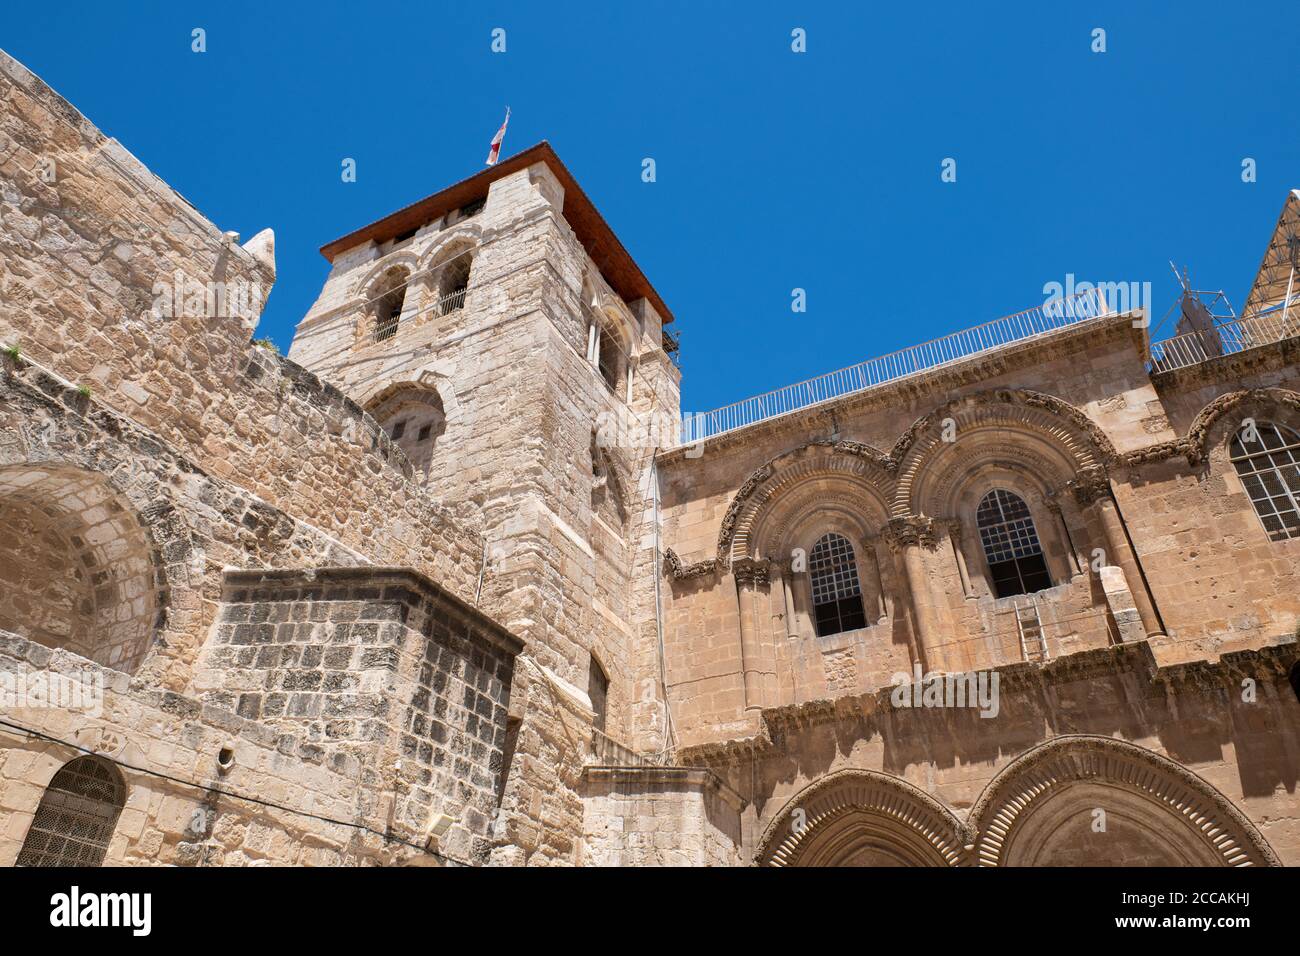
[{"x": 775, "y": 170}]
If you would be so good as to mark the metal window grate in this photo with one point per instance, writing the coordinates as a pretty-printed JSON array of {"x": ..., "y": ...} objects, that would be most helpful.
[
  {"x": 837, "y": 594},
  {"x": 1267, "y": 459},
  {"x": 834, "y": 570},
  {"x": 76, "y": 816}
]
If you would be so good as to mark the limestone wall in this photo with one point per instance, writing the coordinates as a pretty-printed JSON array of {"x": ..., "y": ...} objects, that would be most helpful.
[
  {"x": 878, "y": 468},
  {"x": 93, "y": 243}
]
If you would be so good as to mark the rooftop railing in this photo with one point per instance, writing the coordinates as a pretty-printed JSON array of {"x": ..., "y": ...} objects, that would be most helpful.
[
  {"x": 1053, "y": 315},
  {"x": 1224, "y": 338}
]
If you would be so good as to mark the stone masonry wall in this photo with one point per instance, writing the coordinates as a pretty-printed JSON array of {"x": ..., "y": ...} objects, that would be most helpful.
[
  {"x": 83, "y": 261},
  {"x": 385, "y": 675}
]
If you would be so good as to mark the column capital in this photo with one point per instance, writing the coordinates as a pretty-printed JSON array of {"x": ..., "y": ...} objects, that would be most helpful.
[
  {"x": 1091, "y": 485},
  {"x": 751, "y": 572},
  {"x": 910, "y": 530}
]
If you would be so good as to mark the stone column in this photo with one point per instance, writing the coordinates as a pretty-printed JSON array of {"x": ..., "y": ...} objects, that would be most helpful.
[
  {"x": 869, "y": 573},
  {"x": 1092, "y": 492},
  {"x": 905, "y": 537},
  {"x": 760, "y": 677},
  {"x": 952, "y": 527}
]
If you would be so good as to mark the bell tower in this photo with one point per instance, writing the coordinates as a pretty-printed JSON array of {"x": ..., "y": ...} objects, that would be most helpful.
[{"x": 506, "y": 342}]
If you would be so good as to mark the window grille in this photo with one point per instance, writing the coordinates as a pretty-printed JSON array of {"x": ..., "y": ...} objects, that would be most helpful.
[
  {"x": 1011, "y": 545},
  {"x": 1267, "y": 459},
  {"x": 76, "y": 817},
  {"x": 836, "y": 591}
]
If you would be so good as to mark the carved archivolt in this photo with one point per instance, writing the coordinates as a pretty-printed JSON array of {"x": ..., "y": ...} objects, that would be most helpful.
[
  {"x": 1033, "y": 432},
  {"x": 866, "y": 468},
  {"x": 1036, "y": 777},
  {"x": 852, "y": 812}
]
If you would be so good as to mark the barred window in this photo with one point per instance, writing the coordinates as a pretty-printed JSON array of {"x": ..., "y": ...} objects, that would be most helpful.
[
  {"x": 836, "y": 592},
  {"x": 1267, "y": 458},
  {"x": 75, "y": 819},
  {"x": 1011, "y": 546}
]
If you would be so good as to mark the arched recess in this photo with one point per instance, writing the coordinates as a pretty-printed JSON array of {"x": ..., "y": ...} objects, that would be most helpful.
[
  {"x": 75, "y": 819},
  {"x": 1028, "y": 432},
  {"x": 862, "y": 818},
  {"x": 1043, "y": 810},
  {"x": 844, "y": 486},
  {"x": 79, "y": 569},
  {"x": 414, "y": 418},
  {"x": 385, "y": 294}
]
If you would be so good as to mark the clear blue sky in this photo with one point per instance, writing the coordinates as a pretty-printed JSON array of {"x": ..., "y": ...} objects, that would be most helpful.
[{"x": 776, "y": 170}]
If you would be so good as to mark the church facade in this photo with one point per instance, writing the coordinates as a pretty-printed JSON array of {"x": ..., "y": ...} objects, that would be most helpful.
[{"x": 455, "y": 582}]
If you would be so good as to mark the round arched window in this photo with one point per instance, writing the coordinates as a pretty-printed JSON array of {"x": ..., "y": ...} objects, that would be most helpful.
[
  {"x": 1010, "y": 541},
  {"x": 836, "y": 591},
  {"x": 76, "y": 817}
]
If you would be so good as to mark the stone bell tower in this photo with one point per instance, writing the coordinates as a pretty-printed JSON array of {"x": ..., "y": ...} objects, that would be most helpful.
[{"x": 505, "y": 341}]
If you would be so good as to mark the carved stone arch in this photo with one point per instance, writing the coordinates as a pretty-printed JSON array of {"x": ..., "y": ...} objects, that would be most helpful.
[
  {"x": 469, "y": 232},
  {"x": 1004, "y": 424},
  {"x": 369, "y": 396},
  {"x": 1041, "y": 810},
  {"x": 862, "y": 817},
  {"x": 1218, "y": 421},
  {"x": 401, "y": 259},
  {"x": 857, "y": 472},
  {"x": 823, "y": 505}
]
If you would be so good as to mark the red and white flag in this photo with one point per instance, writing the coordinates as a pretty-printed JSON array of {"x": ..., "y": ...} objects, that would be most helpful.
[{"x": 495, "y": 149}]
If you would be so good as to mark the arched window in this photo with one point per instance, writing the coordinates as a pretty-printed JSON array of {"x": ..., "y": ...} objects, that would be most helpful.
[
  {"x": 606, "y": 493},
  {"x": 390, "y": 294},
  {"x": 598, "y": 690},
  {"x": 836, "y": 592},
  {"x": 1011, "y": 546},
  {"x": 609, "y": 352},
  {"x": 610, "y": 360},
  {"x": 75, "y": 819},
  {"x": 453, "y": 282},
  {"x": 1267, "y": 457}
]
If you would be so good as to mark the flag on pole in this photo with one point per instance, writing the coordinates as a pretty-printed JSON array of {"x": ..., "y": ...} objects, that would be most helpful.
[{"x": 495, "y": 150}]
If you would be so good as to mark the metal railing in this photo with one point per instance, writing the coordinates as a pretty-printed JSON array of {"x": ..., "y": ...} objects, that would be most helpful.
[
  {"x": 452, "y": 301},
  {"x": 1225, "y": 338},
  {"x": 1055, "y": 314}
]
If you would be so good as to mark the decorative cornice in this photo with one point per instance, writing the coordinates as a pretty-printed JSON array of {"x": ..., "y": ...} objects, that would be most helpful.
[
  {"x": 673, "y": 565},
  {"x": 1194, "y": 446}
]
